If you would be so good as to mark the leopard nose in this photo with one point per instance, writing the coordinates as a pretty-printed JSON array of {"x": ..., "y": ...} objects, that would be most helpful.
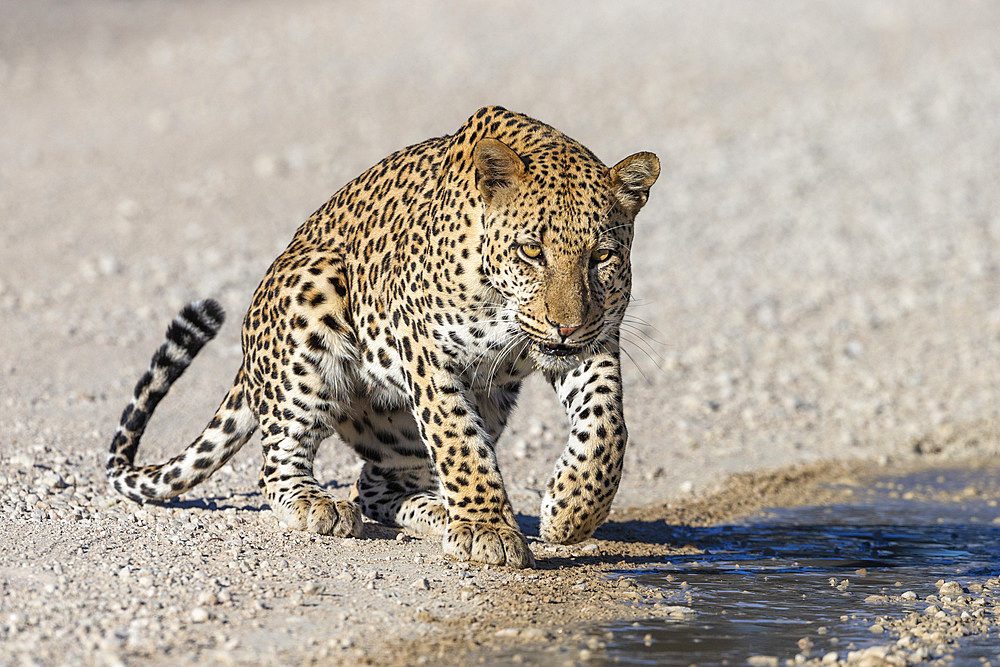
[{"x": 566, "y": 332}]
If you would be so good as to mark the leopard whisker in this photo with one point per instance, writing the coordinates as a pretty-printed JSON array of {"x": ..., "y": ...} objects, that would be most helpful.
[
  {"x": 627, "y": 337},
  {"x": 642, "y": 337},
  {"x": 496, "y": 362},
  {"x": 645, "y": 377}
]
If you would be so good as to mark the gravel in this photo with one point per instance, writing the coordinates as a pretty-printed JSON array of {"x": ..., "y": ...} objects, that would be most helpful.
[{"x": 930, "y": 633}]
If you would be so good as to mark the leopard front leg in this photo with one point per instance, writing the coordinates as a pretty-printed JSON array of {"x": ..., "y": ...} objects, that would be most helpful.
[
  {"x": 586, "y": 476},
  {"x": 480, "y": 520}
]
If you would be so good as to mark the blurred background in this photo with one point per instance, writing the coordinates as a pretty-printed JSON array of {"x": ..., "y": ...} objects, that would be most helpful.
[{"x": 815, "y": 273}]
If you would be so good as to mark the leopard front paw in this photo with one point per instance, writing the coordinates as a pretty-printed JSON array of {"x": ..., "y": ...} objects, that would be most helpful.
[
  {"x": 321, "y": 514},
  {"x": 570, "y": 520},
  {"x": 485, "y": 543}
]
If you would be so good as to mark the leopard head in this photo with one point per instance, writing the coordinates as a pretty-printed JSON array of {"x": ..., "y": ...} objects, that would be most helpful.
[{"x": 558, "y": 230}]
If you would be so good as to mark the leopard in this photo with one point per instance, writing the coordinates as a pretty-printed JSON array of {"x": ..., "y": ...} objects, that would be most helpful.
[{"x": 402, "y": 318}]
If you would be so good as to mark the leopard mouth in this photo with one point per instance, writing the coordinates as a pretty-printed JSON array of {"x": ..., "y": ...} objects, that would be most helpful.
[{"x": 557, "y": 350}]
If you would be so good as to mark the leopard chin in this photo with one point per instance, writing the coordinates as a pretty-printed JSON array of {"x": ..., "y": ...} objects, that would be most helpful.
[
  {"x": 556, "y": 358},
  {"x": 557, "y": 350}
]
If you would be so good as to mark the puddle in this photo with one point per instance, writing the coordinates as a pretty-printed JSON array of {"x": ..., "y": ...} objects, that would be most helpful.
[{"x": 763, "y": 586}]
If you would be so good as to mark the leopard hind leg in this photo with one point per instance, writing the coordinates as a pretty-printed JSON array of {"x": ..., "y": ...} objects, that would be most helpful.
[
  {"x": 398, "y": 485},
  {"x": 295, "y": 497},
  {"x": 407, "y": 498},
  {"x": 300, "y": 367}
]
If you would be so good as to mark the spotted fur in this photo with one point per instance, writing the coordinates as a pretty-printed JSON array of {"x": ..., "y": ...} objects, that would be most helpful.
[{"x": 403, "y": 317}]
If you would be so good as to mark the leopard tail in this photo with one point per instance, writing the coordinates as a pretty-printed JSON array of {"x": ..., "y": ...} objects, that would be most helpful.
[{"x": 233, "y": 424}]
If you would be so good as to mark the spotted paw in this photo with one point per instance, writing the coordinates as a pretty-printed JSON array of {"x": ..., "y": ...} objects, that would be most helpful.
[
  {"x": 321, "y": 514},
  {"x": 485, "y": 543},
  {"x": 567, "y": 521},
  {"x": 423, "y": 513}
]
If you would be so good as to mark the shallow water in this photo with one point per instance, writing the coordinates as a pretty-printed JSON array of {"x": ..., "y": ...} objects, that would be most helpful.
[{"x": 765, "y": 584}]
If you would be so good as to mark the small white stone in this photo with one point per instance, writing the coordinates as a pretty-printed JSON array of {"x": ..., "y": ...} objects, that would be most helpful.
[
  {"x": 108, "y": 265},
  {"x": 520, "y": 448},
  {"x": 207, "y": 599},
  {"x": 952, "y": 589},
  {"x": 53, "y": 480},
  {"x": 763, "y": 661},
  {"x": 199, "y": 615}
]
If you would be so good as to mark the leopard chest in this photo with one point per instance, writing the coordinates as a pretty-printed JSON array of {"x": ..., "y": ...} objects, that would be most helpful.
[{"x": 486, "y": 349}]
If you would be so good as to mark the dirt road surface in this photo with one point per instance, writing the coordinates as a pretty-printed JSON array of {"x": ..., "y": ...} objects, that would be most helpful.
[{"x": 816, "y": 281}]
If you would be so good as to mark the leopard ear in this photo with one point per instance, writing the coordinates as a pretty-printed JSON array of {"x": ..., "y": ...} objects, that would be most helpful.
[
  {"x": 498, "y": 168},
  {"x": 631, "y": 179}
]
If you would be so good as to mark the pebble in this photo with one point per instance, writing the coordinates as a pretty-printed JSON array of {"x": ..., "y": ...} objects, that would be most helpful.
[
  {"x": 53, "y": 480},
  {"x": 952, "y": 589},
  {"x": 676, "y": 611},
  {"x": 312, "y": 588},
  {"x": 199, "y": 615},
  {"x": 208, "y": 599}
]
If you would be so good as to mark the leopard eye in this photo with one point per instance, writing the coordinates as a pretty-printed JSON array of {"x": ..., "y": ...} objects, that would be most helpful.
[
  {"x": 531, "y": 250},
  {"x": 600, "y": 255}
]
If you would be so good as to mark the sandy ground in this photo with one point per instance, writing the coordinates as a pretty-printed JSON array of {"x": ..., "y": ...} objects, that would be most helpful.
[{"x": 816, "y": 274}]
